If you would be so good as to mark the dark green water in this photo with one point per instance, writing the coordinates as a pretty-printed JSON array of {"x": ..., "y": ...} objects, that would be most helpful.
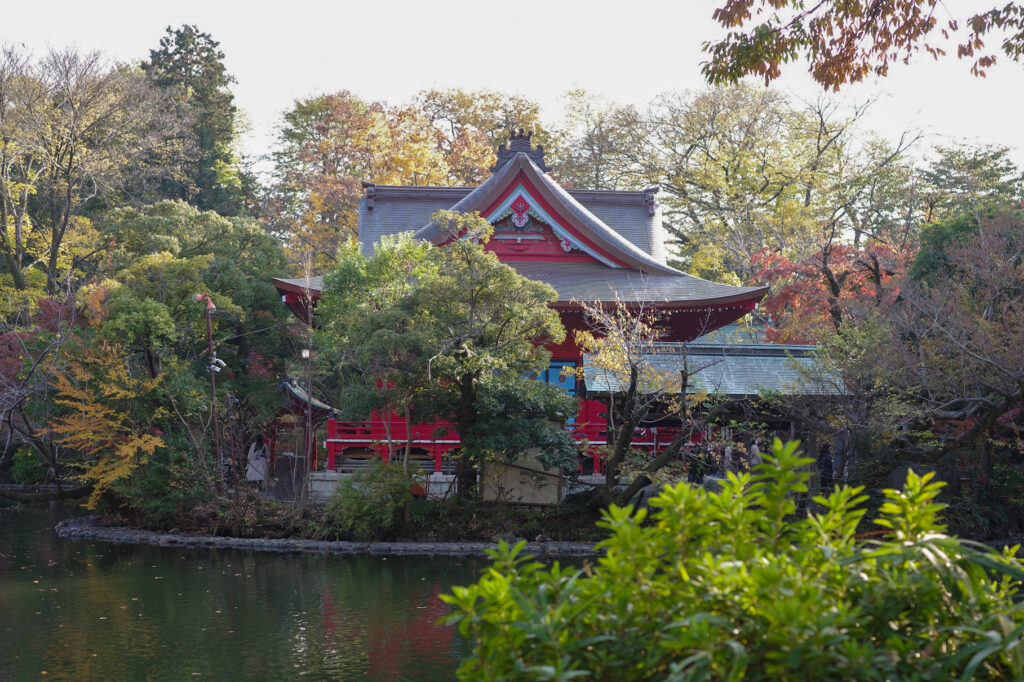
[{"x": 93, "y": 611}]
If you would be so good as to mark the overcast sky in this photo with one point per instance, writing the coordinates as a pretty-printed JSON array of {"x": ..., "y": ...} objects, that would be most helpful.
[{"x": 626, "y": 50}]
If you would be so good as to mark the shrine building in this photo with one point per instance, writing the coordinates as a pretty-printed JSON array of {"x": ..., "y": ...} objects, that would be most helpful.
[{"x": 589, "y": 245}]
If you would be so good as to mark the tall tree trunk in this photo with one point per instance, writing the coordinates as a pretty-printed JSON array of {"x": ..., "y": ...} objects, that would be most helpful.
[
  {"x": 60, "y": 217},
  {"x": 466, "y": 465},
  {"x": 623, "y": 436},
  {"x": 10, "y": 257},
  {"x": 152, "y": 363},
  {"x": 669, "y": 453}
]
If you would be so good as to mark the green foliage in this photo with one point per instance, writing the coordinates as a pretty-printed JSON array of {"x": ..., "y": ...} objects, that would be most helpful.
[
  {"x": 370, "y": 505},
  {"x": 140, "y": 322},
  {"x": 970, "y": 179},
  {"x": 171, "y": 486},
  {"x": 26, "y": 467},
  {"x": 163, "y": 254},
  {"x": 932, "y": 263},
  {"x": 432, "y": 328},
  {"x": 519, "y": 414},
  {"x": 190, "y": 64},
  {"x": 731, "y": 585}
]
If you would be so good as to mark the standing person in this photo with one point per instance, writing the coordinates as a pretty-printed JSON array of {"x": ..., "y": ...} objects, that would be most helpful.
[
  {"x": 256, "y": 469},
  {"x": 755, "y": 453}
]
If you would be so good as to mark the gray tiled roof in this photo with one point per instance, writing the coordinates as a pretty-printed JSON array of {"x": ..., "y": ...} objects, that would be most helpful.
[
  {"x": 618, "y": 213},
  {"x": 313, "y": 283},
  {"x": 584, "y": 281},
  {"x": 632, "y": 222},
  {"x": 589, "y": 224},
  {"x": 731, "y": 370},
  {"x": 394, "y": 215},
  {"x": 391, "y": 216}
]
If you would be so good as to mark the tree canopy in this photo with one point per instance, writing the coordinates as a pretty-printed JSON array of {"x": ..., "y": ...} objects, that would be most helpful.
[
  {"x": 734, "y": 584},
  {"x": 844, "y": 42},
  {"x": 435, "y": 328},
  {"x": 190, "y": 66}
]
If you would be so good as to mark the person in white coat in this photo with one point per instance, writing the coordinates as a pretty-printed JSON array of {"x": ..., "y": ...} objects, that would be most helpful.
[
  {"x": 755, "y": 453},
  {"x": 256, "y": 462}
]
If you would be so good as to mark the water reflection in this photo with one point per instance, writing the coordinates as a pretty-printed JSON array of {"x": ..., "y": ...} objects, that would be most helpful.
[{"x": 84, "y": 610}]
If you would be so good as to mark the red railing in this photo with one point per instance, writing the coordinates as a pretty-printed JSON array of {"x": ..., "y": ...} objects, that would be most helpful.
[{"x": 354, "y": 444}]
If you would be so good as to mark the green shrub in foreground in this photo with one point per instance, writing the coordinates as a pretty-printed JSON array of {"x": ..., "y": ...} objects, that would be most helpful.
[
  {"x": 730, "y": 585},
  {"x": 369, "y": 505}
]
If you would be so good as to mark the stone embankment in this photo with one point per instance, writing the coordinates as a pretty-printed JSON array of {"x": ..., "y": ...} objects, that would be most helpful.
[{"x": 92, "y": 528}]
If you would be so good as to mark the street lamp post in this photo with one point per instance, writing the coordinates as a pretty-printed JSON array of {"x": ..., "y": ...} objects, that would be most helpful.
[
  {"x": 213, "y": 367},
  {"x": 307, "y": 357}
]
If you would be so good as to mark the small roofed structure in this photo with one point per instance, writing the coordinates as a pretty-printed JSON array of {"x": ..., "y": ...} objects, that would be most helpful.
[{"x": 729, "y": 370}]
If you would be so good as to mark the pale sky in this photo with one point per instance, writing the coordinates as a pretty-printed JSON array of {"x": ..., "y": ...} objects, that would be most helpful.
[{"x": 627, "y": 51}]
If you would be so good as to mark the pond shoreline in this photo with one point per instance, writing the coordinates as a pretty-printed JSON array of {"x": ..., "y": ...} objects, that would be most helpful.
[{"x": 92, "y": 528}]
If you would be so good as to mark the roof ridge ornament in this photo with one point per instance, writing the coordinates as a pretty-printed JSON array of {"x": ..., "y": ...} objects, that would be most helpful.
[
  {"x": 519, "y": 143},
  {"x": 650, "y": 201},
  {"x": 371, "y": 192}
]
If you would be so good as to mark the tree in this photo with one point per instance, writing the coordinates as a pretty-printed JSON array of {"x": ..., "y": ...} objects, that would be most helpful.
[
  {"x": 593, "y": 146},
  {"x": 745, "y": 170},
  {"x": 75, "y": 130},
  {"x": 969, "y": 179},
  {"x": 453, "y": 315},
  {"x": 31, "y": 352},
  {"x": 934, "y": 365},
  {"x": 104, "y": 420},
  {"x": 160, "y": 256},
  {"x": 374, "y": 343},
  {"x": 844, "y": 42},
  {"x": 484, "y": 323},
  {"x": 19, "y": 170},
  {"x": 888, "y": 218},
  {"x": 735, "y": 584},
  {"x": 473, "y": 123},
  {"x": 956, "y": 351},
  {"x": 327, "y": 145},
  {"x": 814, "y": 298},
  {"x": 190, "y": 66},
  {"x": 622, "y": 342}
]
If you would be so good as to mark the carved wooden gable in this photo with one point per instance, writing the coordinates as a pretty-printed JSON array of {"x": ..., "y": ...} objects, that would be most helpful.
[{"x": 528, "y": 227}]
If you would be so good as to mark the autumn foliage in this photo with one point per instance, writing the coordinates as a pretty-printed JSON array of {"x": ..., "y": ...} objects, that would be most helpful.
[
  {"x": 846, "y": 42},
  {"x": 812, "y": 298},
  {"x": 103, "y": 420}
]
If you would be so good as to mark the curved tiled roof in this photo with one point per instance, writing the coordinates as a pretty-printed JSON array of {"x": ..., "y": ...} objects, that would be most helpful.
[
  {"x": 582, "y": 281},
  {"x": 736, "y": 371},
  {"x": 582, "y": 219},
  {"x": 594, "y": 282},
  {"x": 635, "y": 241},
  {"x": 397, "y": 209},
  {"x": 298, "y": 286}
]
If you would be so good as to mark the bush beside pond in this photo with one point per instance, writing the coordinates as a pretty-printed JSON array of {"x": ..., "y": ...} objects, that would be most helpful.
[
  {"x": 732, "y": 585},
  {"x": 379, "y": 504}
]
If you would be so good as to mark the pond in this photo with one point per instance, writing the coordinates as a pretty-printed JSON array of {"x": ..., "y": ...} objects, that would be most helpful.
[{"x": 92, "y": 610}]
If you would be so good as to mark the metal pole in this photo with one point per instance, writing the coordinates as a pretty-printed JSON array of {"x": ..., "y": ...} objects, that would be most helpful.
[
  {"x": 210, "y": 307},
  {"x": 307, "y": 356}
]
